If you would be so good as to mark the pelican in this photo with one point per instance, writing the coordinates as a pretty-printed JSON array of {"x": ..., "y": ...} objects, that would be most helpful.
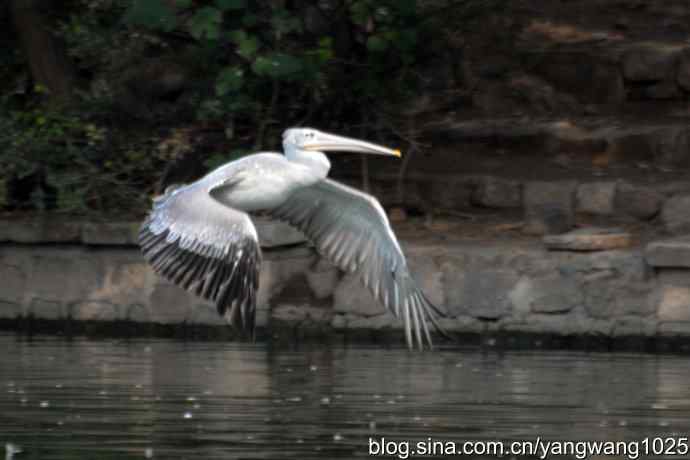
[{"x": 199, "y": 236}]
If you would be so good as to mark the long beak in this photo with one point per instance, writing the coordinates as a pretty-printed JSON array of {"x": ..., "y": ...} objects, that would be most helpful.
[{"x": 325, "y": 142}]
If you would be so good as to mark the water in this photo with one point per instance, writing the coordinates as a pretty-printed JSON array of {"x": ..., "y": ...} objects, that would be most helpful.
[{"x": 137, "y": 399}]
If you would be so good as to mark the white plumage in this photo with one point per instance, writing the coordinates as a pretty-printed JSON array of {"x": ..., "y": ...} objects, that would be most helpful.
[{"x": 200, "y": 237}]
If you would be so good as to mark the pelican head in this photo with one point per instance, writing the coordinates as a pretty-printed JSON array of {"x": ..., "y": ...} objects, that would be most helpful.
[{"x": 313, "y": 140}]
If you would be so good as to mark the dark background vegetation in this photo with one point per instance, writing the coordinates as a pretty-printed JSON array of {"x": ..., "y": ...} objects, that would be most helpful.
[{"x": 105, "y": 102}]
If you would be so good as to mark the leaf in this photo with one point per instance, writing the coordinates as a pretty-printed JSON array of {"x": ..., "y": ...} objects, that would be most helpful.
[
  {"x": 155, "y": 14},
  {"x": 284, "y": 23},
  {"x": 281, "y": 65},
  {"x": 407, "y": 39},
  {"x": 407, "y": 7},
  {"x": 359, "y": 12},
  {"x": 261, "y": 66},
  {"x": 376, "y": 44},
  {"x": 237, "y": 36},
  {"x": 250, "y": 20},
  {"x": 230, "y": 79},
  {"x": 206, "y": 23},
  {"x": 248, "y": 47},
  {"x": 225, "y": 5}
]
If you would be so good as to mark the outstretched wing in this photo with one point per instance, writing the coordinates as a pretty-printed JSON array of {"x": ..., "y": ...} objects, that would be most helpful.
[
  {"x": 351, "y": 229},
  {"x": 206, "y": 247}
]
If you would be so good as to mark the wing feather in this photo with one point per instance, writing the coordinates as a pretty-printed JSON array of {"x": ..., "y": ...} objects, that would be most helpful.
[
  {"x": 351, "y": 230},
  {"x": 207, "y": 248}
]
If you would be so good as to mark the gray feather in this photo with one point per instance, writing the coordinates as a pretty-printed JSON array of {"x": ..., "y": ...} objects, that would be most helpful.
[
  {"x": 207, "y": 248},
  {"x": 351, "y": 229}
]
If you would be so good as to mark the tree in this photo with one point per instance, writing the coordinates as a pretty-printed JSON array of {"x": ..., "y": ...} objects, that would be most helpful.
[{"x": 47, "y": 59}]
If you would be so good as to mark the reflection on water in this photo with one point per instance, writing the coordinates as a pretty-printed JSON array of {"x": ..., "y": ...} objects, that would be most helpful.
[{"x": 165, "y": 399}]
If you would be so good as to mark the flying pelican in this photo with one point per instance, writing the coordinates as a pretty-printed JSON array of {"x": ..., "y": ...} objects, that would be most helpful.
[{"x": 200, "y": 237}]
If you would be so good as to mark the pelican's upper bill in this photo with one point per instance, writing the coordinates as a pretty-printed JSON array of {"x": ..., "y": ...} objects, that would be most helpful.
[{"x": 318, "y": 141}]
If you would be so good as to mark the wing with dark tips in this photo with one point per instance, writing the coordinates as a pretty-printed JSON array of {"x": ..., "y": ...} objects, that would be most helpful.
[
  {"x": 207, "y": 248},
  {"x": 351, "y": 230}
]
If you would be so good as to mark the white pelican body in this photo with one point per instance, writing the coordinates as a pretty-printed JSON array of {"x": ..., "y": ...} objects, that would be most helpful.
[
  {"x": 272, "y": 173},
  {"x": 200, "y": 236}
]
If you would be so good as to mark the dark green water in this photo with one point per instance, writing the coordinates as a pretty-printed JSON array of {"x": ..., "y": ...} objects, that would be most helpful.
[{"x": 108, "y": 399}]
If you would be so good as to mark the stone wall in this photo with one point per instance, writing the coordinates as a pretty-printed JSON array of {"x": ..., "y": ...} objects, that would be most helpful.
[{"x": 485, "y": 287}]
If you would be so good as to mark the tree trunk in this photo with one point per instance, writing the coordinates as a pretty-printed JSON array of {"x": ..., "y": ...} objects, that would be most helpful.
[{"x": 46, "y": 56}]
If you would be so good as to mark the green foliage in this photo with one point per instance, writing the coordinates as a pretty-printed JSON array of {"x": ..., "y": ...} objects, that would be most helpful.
[
  {"x": 151, "y": 13},
  {"x": 72, "y": 157},
  {"x": 257, "y": 65},
  {"x": 258, "y": 44}
]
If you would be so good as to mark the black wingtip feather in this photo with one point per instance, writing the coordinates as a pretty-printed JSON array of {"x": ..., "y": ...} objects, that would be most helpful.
[{"x": 229, "y": 282}]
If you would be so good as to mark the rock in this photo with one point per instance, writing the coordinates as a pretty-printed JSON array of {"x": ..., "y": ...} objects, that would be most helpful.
[
  {"x": 493, "y": 99},
  {"x": 662, "y": 91},
  {"x": 589, "y": 239},
  {"x": 377, "y": 322},
  {"x": 427, "y": 276},
  {"x": 170, "y": 304},
  {"x": 206, "y": 314},
  {"x": 274, "y": 233},
  {"x": 673, "y": 276},
  {"x": 40, "y": 230},
  {"x": 600, "y": 298},
  {"x": 636, "y": 300},
  {"x": 494, "y": 192},
  {"x": 596, "y": 198},
  {"x": 122, "y": 281},
  {"x": 675, "y": 215},
  {"x": 674, "y": 304},
  {"x": 397, "y": 214},
  {"x": 351, "y": 296},
  {"x": 301, "y": 313},
  {"x": 521, "y": 296},
  {"x": 10, "y": 310},
  {"x": 683, "y": 71},
  {"x": 590, "y": 80},
  {"x": 110, "y": 233},
  {"x": 649, "y": 62},
  {"x": 463, "y": 324},
  {"x": 262, "y": 315},
  {"x": 322, "y": 279},
  {"x": 284, "y": 277},
  {"x": 626, "y": 266},
  {"x": 549, "y": 207},
  {"x": 454, "y": 193},
  {"x": 481, "y": 293},
  {"x": 633, "y": 145},
  {"x": 633, "y": 326},
  {"x": 565, "y": 324},
  {"x": 338, "y": 322},
  {"x": 60, "y": 276},
  {"x": 95, "y": 311},
  {"x": 637, "y": 201},
  {"x": 12, "y": 285},
  {"x": 674, "y": 329},
  {"x": 670, "y": 188},
  {"x": 553, "y": 294},
  {"x": 137, "y": 313},
  {"x": 495, "y": 67},
  {"x": 46, "y": 309},
  {"x": 672, "y": 252},
  {"x": 672, "y": 146}
]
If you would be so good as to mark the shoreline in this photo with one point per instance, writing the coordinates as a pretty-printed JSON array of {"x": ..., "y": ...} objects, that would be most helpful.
[{"x": 512, "y": 292}]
